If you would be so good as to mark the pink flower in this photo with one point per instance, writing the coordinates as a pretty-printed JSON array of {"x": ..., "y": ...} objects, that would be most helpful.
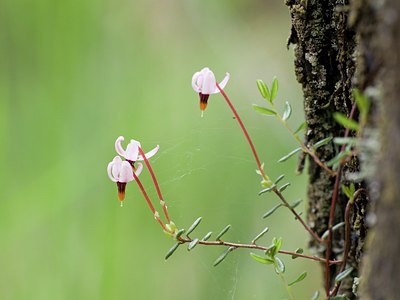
[
  {"x": 121, "y": 172},
  {"x": 132, "y": 150},
  {"x": 204, "y": 83}
]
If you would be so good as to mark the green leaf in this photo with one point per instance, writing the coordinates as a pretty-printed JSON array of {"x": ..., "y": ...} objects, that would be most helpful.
[
  {"x": 287, "y": 156},
  {"x": 260, "y": 235},
  {"x": 279, "y": 178},
  {"x": 322, "y": 142},
  {"x": 266, "y": 190},
  {"x": 223, "y": 231},
  {"x": 193, "y": 244},
  {"x": 274, "y": 89},
  {"x": 315, "y": 296},
  {"x": 298, "y": 279},
  {"x": 272, "y": 210},
  {"x": 287, "y": 111},
  {"x": 260, "y": 259},
  {"x": 338, "y": 158},
  {"x": 264, "y": 110},
  {"x": 277, "y": 243},
  {"x": 347, "y": 191},
  {"x": 334, "y": 228},
  {"x": 263, "y": 88},
  {"x": 193, "y": 226},
  {"x": 346, "y": 122},
  {"x": 179, "y": 233},
  {"x": 296, "y": 203},
  {"x": 342, "y": 275},
  {"x": 172, "y": 250},
  {"x": 345, "y": 141},
  {"x": 223, "y": 256},
  {"x": 207, "y": 236},
  {"x": 301, "y": 127},
  {"x": 298, "y": 250},
  {"x": 361, "y": 101},
  {"x": 279, "y": 266},
  {"x": 283, "y": 187}
]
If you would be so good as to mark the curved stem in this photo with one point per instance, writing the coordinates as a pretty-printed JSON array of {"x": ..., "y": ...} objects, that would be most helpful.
[{"x": 153, "y": 176}]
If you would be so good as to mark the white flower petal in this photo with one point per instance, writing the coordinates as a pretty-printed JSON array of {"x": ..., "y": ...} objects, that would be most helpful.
[
  {"x": 116, "y": 168},
  {"x": 118, "y": 146},
  {"x": 126, "y": 173},
  {"x": 110, "y": 175},
  {"x": 139, "y": 169},
  {"x": 195, "y": 84},
  {"x": 150, "y": 153},
  {"x": 132, "y": 151},
  {"x": 222, "y": 84},
  {"x": 209, "y": 82}
]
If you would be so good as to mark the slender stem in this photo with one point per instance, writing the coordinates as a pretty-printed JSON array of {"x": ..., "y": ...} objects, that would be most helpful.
[
  {"x": 253, "y": 149},
  {"x": 333, "y": 208},
  {"x": 298, "y": 217},
  {"x": 287, "y": 287},
  {"x": 257, "y": 247},
  {"x": 246, "y": 134},
  {"x": 153, "y": 176},
  {"x": 150, "y": 204},
  {"x": 349, "y": 206}
]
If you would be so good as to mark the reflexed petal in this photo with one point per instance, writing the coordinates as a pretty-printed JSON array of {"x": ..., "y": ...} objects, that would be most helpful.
[
  {"x": 126, "y": 173},
  {"x": 150, "y": 153},
  {"x": 222, "y": 84},
  {"x": 116, "y": 168},
  {"x": 118, "y": 146},
  {"x": 109, "y": 171},
  {"x": 132, "y": 151},
  {"x": 209, "y": 83},
  {"x": 139, "y": 169},
  {"x": 195, "y": 83}
]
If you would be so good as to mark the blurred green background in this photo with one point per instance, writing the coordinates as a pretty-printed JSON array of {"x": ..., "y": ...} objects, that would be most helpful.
[{"x": 74, "y": 75}]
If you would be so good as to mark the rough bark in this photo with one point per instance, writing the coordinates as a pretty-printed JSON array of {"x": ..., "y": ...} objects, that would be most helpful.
[
  {"x": 324, "y": 47},
  {"x": 379, "y": 28}
]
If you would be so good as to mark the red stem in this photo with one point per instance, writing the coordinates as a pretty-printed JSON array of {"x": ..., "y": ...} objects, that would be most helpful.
[
  {"x": 153, "y": 176},
  {"x": 150, "y": 204},
  {"x": 246, "y": 134},
  {"x": 333, "y": 208}
]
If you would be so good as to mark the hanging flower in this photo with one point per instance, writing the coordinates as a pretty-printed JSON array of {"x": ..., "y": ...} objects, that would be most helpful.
[
  {"x": 121, "y": 172},
  {"x": 132, "y": 150},
  {"x": 204, "y": 83}
]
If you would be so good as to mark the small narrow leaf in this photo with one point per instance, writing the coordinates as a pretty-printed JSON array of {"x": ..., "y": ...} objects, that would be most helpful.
[
  {"x": 266, "y": 190},
  {"x": 207, "y": 236},
  {"x": 334, "y": 228},
  {"x": 279, "y": 266},
  {"x": 301, "y": 127},
  {"x": 315, "y": 296},
  {"x": 345, "y": 141},
  {"x": 264, "y": 110},
  {"x": 260, "y": 259},
  {"x": 322, "y": 142},
  {"x": 346, "y": 122},
  {"x": 287, "y": 111},
  {"x": 179, "y": 233},
  {"x": 223, "y": 256},
  {"x": 283, "y": 187},
  {"x": 172, "y": 250},
  {"x": 339, "y": 277},
  {"x": 299, "y": 251},
  {"x": 272, "y": 210},
  {"x": 296, "y": 203},
  {"x": 287, "y": 156},
  {"x": 193, "y": 244},
  {"x": 260, "y": 235},
  {"x": 263, "y": 88},
  {"x": 298, "y": 279},
  {"x": 362, "y": 102},
  {"x": 274, "y": 89},
  {"x": 346, "y": 190},
  {"x": 278, "y": 244},
  {"x": 338, "y": 158},
  {"x": 193, "y": 226},
  {"x": 223, "y": 231},
  {"x": 279, "y": 178}
]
